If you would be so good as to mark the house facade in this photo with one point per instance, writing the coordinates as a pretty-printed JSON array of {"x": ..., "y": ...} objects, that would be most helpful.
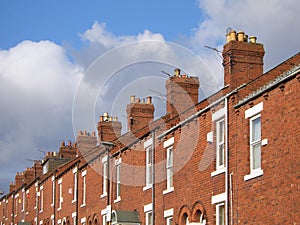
[{"x": 232, "y": 158}]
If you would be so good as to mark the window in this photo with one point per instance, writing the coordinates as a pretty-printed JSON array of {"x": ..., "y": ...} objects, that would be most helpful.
[
  {"x": 53, "y": 190},
  {"x": 220, "y": 214},
  {"x": 168, "y": 215},
  {"x": 118, "y": 181},
  {"x": 41, "y": 199},
  {"x": 149, "y": 163},
  {"x": 74, "y": 218},
  {"x": 75, "y": 184},
  {"x": 105, "y": 176},
  {"x": 83, "y": 174},
  {"x": 169, "y": 220},
  {"x": 149, "y": 218},
  {"x": 255, "y": 140},
  {"x": 23, "y": 200},
  {"x": 104, "y": 219},
  {"x": 60, "y": 198},
  {"x": 220, "y": 137},
  {"x": 169, "y": 166},
  {"x": 255, "y": 143}
]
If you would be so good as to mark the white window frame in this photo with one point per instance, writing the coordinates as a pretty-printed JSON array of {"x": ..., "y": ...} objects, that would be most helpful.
[
  {"x": 168, "y": 145},
  {"x": 148, "y": 217},
  {"x": 169, "y": 220},
  {"x": 169, "y": 167},
  {"x": 220, "y": 144},
  {"x": 149, "y": 164},
  {"x": 168, "y": 215},
  {"x": 218, "y": 206},
  {"x": 53, "y": 190},
  {"x": 75, "y": 184},
  {"x": 83, "y": 174},
  {"x": 254, "y": 172},
  {"x": 118, "y": 180},
  {"x": 41, "y": 199},
  {"x": 105, "y": 176},
  {"x": 254, "y": 143},
  {"x": 60, "y": 197},
  {"x": 23, "y": 199}
]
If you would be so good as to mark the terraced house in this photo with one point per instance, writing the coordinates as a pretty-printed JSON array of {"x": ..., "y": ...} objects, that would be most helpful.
[{"x": 232, "y": 158}]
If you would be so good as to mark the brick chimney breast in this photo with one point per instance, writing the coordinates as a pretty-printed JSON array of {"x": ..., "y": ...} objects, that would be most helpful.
[
  {"x": 139, "y": 113},
  {"x": 182, "y": 93},
  {"x": 109, "y": 128},
  {"x": 242, "y": 60}
]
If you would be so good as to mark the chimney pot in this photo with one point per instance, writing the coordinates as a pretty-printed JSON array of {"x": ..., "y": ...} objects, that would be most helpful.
[
  {"x": 105, "y": 116},
  {"x": 101, "y": 118},
  {"x": 252, "y": 39},
  {"x": 116, "y": 119},
  {"x": 177, "y": 72},
  {"x": 149, "y": 100},
  {"x": 232, "y": 35},
  {"x": 240, "y": 36},
  {"x": 132, "y": 99},
  {"x": 138, "y": 100}
]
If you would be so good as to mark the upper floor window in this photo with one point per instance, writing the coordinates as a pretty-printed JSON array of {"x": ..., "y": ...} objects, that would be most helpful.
[
  {"x": 75, "y": 184},
  {"x": 118, "y": 180},
  {"x": 83, "y": 174},
  {"x": 149, "y": 163},
  {"x": 105, "y": 176},
  {"x": 169, "y": 167},
  {"x": 60, "y": 197},
  {"x": 220, "y": 137},
  {"x": 255, "y": 140},
  {"x": 168, "y": 145},
  {"x": 41, "y": 198}
]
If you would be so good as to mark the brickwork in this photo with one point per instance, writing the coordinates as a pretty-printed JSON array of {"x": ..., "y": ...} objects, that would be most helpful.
[{"x": 187, "y": 146}]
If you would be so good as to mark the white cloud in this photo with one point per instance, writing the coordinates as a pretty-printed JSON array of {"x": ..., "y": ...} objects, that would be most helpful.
[
  {"x": 99, "y": 34},
  {"x": 37, "y": 85},
  {"x": 274, "y": 22}
]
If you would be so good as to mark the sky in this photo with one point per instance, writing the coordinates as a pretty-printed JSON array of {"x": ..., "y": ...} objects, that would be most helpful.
[{"x": 50, "y": 52}]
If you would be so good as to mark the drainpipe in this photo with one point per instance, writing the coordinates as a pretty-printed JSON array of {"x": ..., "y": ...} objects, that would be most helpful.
[
  {"x": 77, "y": 186},
  {"x": 153, "y": 177},
  {"x": 226, "y": 160}
]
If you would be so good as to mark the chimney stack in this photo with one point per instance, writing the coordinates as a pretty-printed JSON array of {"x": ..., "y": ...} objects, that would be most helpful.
[
  {"x": 139, "y": 113},
  {"x": 19, "y": 180},
  {"x": 109, "y": 128},
  {"x": 85, "y": 141},
  {"x": 242, "y": 60},
  {"x": 182, "y": 93}
]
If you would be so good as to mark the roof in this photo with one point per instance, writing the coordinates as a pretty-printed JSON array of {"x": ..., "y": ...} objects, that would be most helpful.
[{"x": 125, "y": 217}]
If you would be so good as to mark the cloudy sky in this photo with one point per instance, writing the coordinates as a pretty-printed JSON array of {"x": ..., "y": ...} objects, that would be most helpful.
[{"x": 47, "y": 48}]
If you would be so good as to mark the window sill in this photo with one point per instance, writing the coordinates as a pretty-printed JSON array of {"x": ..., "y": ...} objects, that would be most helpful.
[
  {"x": 52, "y": 205},
  {"x": 218, "y": 171},
  {"x": 74, "y": 200},
  {"x": 58, "y": 209},
  {"x": 83, "y": 205},
  {"x": 147, "y": 187},
  {"x": 117, "y": 200},
  {"x": 103, "y": 195},
  {"x": 254, "y": 174},
  {"x": 171, "y": 189},
  {"x": 41, "y": 211}
]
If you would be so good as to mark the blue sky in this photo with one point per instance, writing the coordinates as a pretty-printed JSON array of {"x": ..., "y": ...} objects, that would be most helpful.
[
  {"x": 60, "y": 21},
  {"x": 46, "y": 48}
]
